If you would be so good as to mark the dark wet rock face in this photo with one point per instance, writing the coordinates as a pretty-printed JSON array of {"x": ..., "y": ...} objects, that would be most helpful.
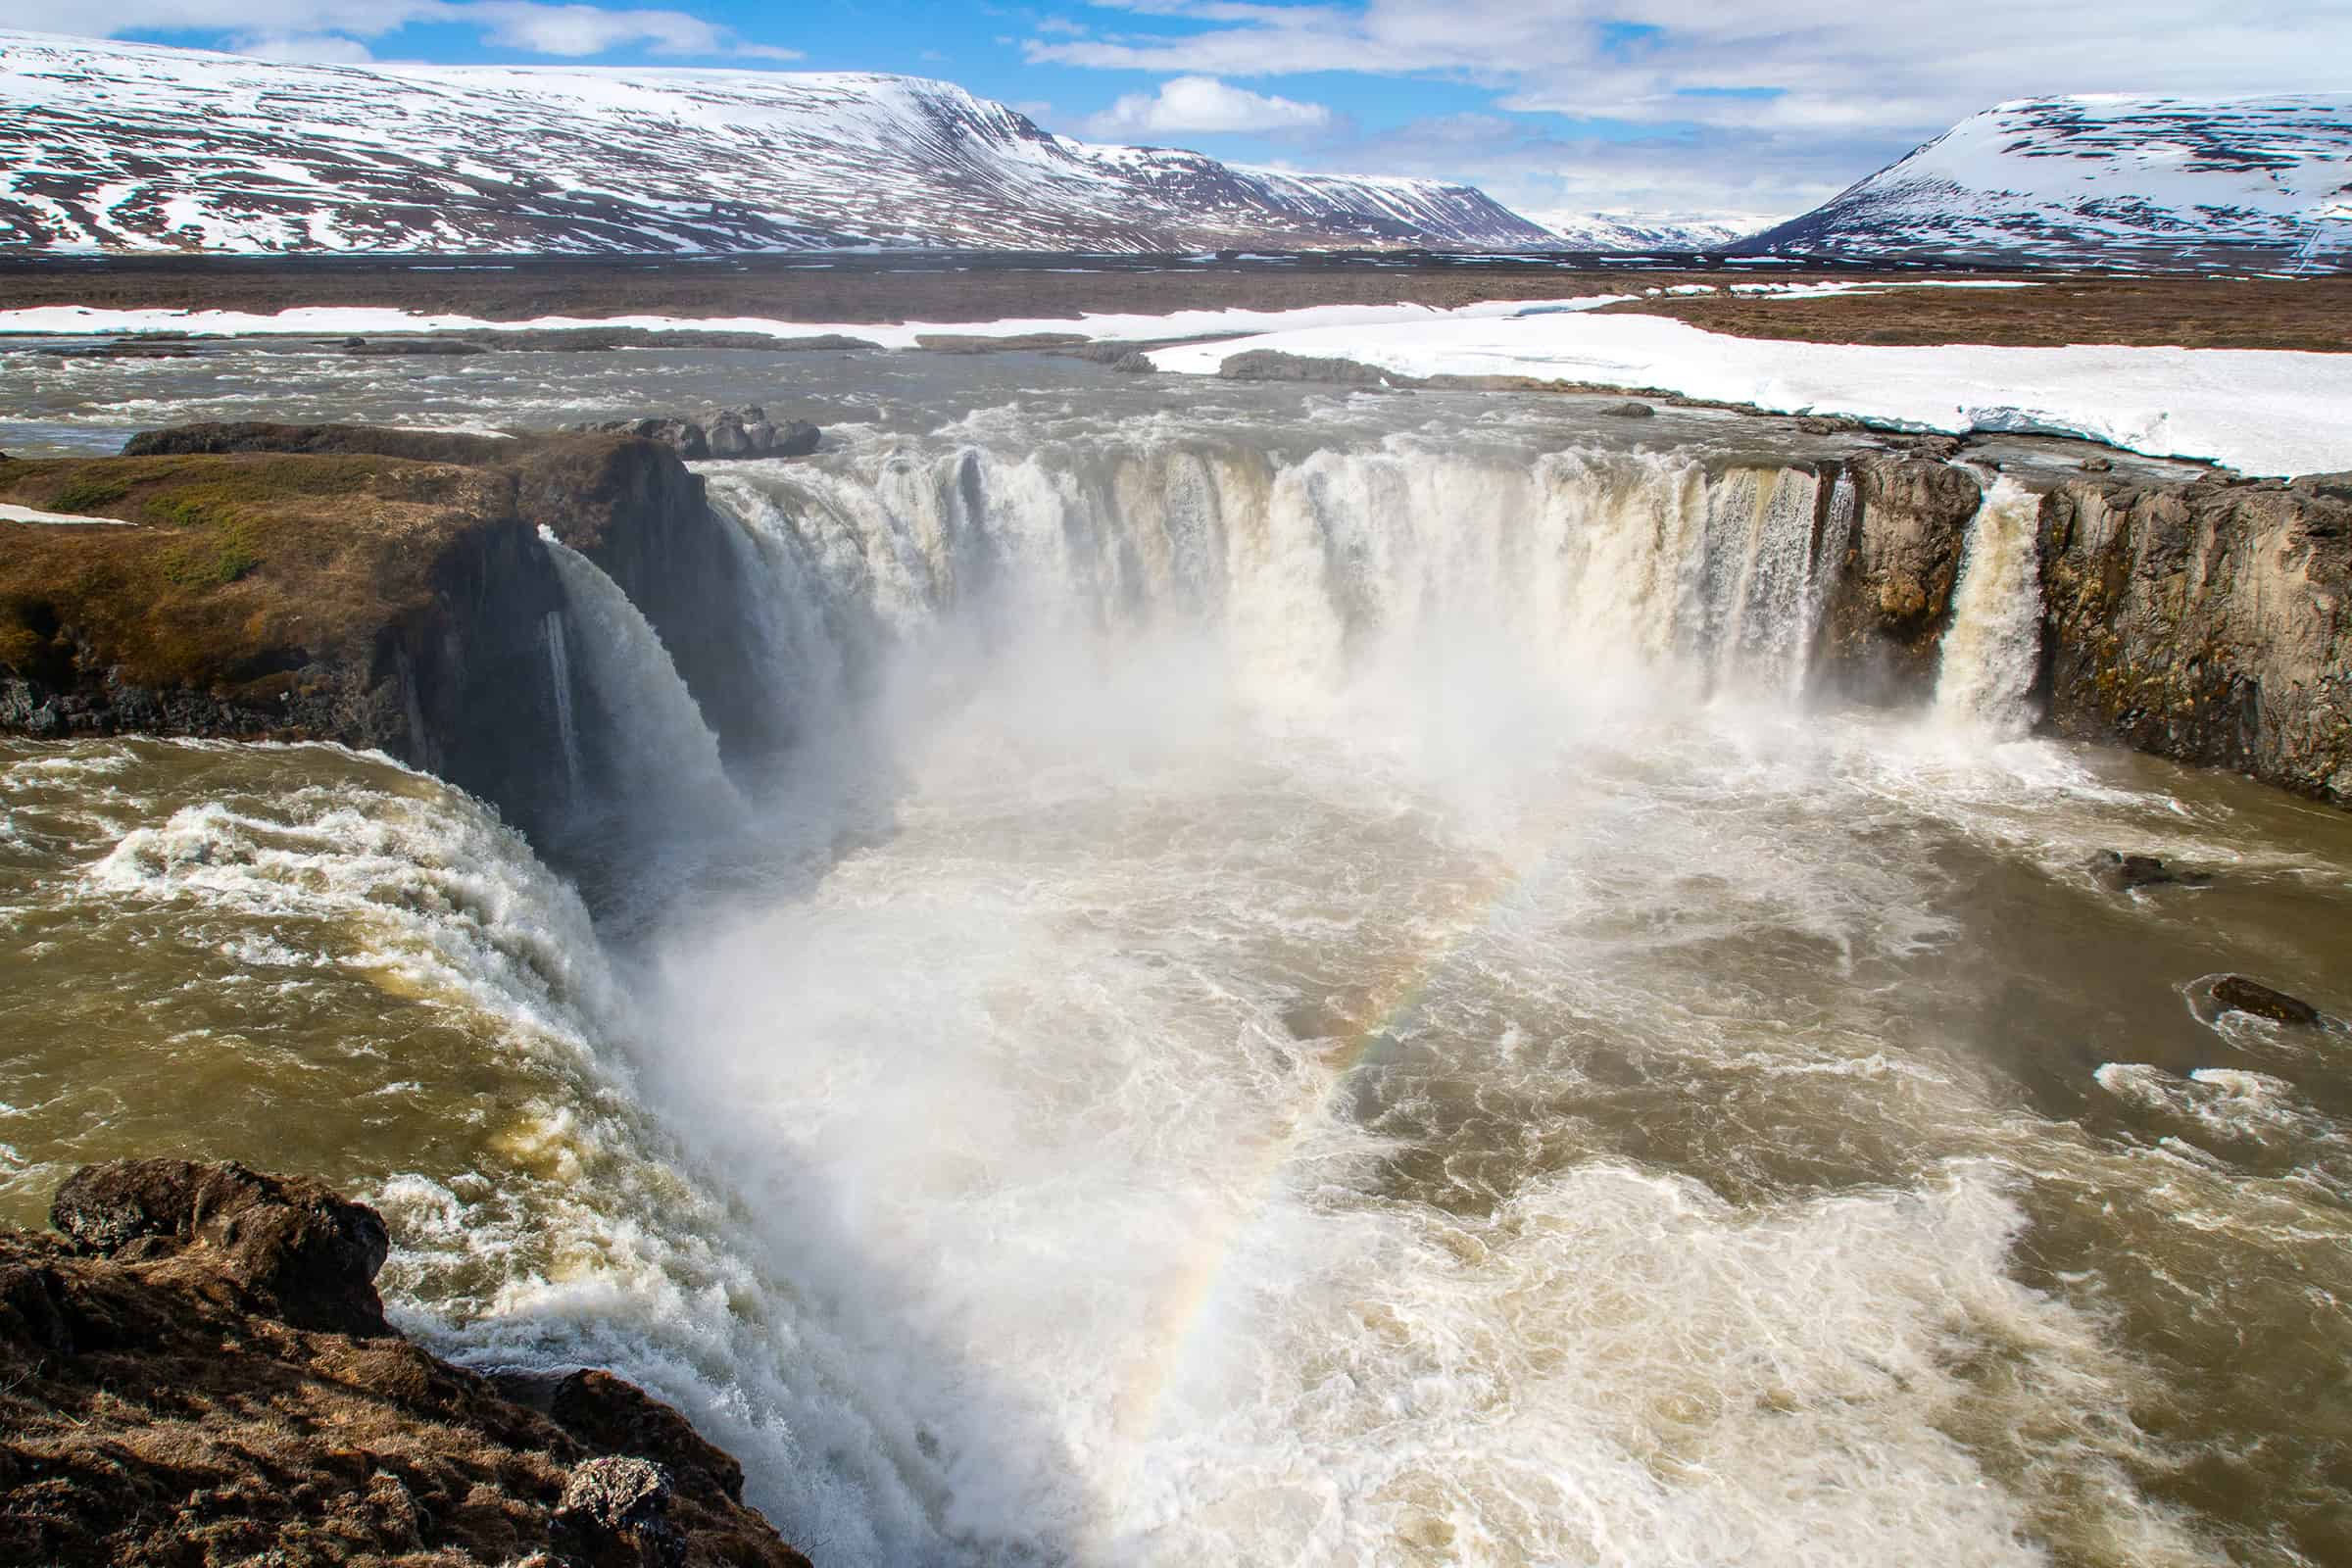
[
  {"x": 382, "y": 588},
  {"x": 169, "y": 1398},
  {"x": 2124, "y": 873},
  {"x": 1894, "y": 570},
  {"x": 2239, "y": 994},
  {"x": 1628, "y": 409},
  {"x": 2209, "y": 622},
  {"x": 629, "y": 503}
]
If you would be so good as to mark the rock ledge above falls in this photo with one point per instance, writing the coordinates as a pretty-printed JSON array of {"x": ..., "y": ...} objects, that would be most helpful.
[
  {"x": 385, "y": 589},
  {"x": 198, "y": 1370},
  {"x": 381, "y": 588}
]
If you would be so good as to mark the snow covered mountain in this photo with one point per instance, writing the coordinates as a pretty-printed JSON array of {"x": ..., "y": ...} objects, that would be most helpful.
[
  {"x": 130, "y": 147},
  {"x": 1599, "y": 231},
  {"x": 2141, "y": 181}
]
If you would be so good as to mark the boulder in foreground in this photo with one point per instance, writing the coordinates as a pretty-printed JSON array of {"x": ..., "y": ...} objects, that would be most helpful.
[{"x": 198, "y": 1372}]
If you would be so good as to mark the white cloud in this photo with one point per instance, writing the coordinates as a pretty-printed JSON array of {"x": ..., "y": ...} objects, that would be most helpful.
[
  {"x": 577, "y": 30},
  {"x": 337, "y": 30},
  {"x": 305, "y": 48},
  {"x": 1192, "y": 104},
  {"x": 1755, "y": 104}
]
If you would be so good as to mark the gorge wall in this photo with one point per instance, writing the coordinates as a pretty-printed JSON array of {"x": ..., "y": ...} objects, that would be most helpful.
[
  {"x": 384, "y": 589},
  {"x": 2210, "y": 622},
  {"x": 443, "y": 598}
]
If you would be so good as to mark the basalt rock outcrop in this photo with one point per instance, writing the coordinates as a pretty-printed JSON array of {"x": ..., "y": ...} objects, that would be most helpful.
[
  {"x": 380, "y": 588},
  {"x": 197, "y": 1371},
  {"x": 745, "y": 432},
  {"x": 1891, "y": 564},
  {"x": 2209, "y": 622}
]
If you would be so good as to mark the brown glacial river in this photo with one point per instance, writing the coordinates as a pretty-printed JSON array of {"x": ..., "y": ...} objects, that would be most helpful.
[{"x": 1310, "y": 995}]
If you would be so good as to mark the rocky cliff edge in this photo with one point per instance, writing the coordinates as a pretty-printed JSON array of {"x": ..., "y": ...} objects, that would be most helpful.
[{"x": 195, "y": 1369}]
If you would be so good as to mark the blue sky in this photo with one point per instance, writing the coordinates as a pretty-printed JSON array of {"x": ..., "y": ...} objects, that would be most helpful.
[{"x": 1669, "y": 107}]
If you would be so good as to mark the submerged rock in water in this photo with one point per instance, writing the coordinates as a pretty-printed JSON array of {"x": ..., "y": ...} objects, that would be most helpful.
[
  {"x": 2239, "y": 994},
  {"x": 169, "y": 1398},
  {"x": 2121, "y": 873},
  {"x": 410, "y": 347},
  {"x": 1628, "y": 409}
]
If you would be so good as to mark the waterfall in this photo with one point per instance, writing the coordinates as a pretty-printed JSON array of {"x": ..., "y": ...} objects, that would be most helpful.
[
  {"x": 1993, "y": 647},
  {"x": 794, "y": 618},
  {"x": 1820, "y": 568},
  {"x": 559, "y": 674},
  {"x": 1759, "y": 572},
  {"x": 1303, "y": 573},
  {"x": 663, "y": 749}
]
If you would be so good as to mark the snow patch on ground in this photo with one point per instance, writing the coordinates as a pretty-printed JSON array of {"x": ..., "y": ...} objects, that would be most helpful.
[
  {"x": 10, "y": 513},
  {"x": 2261, "y": 412}
]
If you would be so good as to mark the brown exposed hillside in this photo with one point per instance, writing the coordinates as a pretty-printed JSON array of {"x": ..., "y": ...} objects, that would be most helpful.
[{"x": 2308, "y": 314}]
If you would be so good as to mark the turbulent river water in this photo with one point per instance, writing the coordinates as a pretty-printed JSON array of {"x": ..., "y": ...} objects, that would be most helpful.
[{"x": 1313, "y": 989}]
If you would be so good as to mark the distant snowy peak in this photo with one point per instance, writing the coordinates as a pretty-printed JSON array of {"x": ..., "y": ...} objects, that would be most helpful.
[
  {"x": 2137, "y": 181},
  {"x": 130, "y": 147},
  {"x": 1602, "y": 231}
]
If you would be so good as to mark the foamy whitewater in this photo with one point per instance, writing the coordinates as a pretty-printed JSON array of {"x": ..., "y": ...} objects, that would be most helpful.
[{"x": 1311, "y": 1002}]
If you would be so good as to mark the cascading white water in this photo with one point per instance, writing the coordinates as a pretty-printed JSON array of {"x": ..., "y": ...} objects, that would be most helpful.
[
  {"x": 1365, "y": 1031},
  {"x": 1828, "y": 540},
  {"x": 794, "y": 617},
  {"x": 559, "y": 676},
  {"x": 1759, "y": 570},
  {"x": 1262, "y": 814},
  {"x": 1993, "y": 650},
  {"x": 665, "y": 752},
  {"x": 1303, "y": 575}
]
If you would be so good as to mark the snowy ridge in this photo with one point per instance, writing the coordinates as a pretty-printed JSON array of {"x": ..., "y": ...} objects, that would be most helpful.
[
  {"x": 1601, "y": 231},
  {"x": 130, "y": 147},
  {"x": 2141, "y": 182}
]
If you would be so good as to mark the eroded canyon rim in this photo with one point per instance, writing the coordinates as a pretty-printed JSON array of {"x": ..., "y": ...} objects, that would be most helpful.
[{"x": 1296, "y": 976}]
